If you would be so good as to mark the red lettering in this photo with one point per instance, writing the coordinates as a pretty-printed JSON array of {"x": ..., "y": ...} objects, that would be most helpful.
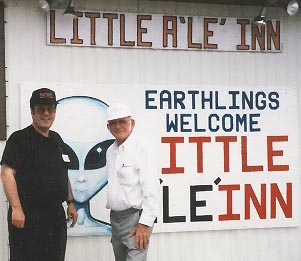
[
  {"x": 226, "y": 140},
  {"x": 199, "y": 141},
  {"x": 229, "y": 215},
  {"x": 276, "y": 195},
  {"x": 250, "y": 196},
  {"x": 272, "y": 153},
  {"x": 173, "y": 169},
  {"x": 244, "y": 158}
]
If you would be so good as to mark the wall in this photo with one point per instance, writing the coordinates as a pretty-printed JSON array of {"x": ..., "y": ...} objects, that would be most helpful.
[{"x": 29, "y": 59}]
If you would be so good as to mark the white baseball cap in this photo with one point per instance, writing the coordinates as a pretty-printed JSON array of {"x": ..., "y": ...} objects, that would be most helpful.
[{"x": 118, "y": 111}]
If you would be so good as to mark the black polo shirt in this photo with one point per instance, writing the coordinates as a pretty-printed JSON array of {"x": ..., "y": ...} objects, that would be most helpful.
[{"x": 41, "y": 173}]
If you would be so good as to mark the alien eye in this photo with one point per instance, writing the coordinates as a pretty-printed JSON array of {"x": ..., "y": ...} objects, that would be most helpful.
[
  {"x": 96, "y": 157},
  {"x": 73, "y": 164}
]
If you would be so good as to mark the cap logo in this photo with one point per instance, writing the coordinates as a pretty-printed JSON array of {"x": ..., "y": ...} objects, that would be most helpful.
[{"x": 46, "y": 95}]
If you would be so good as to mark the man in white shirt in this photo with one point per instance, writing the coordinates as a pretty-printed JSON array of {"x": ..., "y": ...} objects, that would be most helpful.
[{"x": 133, "y": 187}]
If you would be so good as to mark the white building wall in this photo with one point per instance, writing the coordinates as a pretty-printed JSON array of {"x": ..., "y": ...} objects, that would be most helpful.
[
  {"x": 3, "y": 224},
  {"x": 29, "y": 59}
]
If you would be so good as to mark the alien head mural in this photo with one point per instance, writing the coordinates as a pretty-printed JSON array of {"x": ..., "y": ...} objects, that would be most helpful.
[{"x": 81, "y": 121}]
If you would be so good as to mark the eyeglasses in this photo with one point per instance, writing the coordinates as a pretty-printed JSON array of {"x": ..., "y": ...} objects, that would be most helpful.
[
  {"x": 121, "y": 122},
  {"x": 41, "y": 109}
]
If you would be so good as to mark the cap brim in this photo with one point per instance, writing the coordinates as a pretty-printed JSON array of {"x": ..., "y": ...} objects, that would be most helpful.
[
  {"x": 117, "y": 117},
  {"x": 46, "y": 101}
]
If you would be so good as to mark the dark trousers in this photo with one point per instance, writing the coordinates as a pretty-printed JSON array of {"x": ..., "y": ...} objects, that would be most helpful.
[{"x": 43, "y": 237}]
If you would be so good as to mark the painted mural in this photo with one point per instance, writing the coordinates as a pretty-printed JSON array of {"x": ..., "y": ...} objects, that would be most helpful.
[{"x": 81, "y": 121}]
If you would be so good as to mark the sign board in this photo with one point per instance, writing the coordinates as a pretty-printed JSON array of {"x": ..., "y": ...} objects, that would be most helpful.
[
  {"x": 158, "y": 31},
  {"x": 228, "y": 155}
]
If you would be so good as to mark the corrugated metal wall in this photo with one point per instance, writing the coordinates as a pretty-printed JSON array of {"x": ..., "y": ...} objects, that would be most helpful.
[{"x": 28, "y": 59}]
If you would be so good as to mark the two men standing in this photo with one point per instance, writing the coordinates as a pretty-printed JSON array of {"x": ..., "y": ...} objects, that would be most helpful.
[{"x": 34, "y": 173}]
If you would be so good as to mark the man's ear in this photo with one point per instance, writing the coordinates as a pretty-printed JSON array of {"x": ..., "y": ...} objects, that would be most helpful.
[
  {"x": 133, "y": 123},
  {"x": 31, "y": 111}
]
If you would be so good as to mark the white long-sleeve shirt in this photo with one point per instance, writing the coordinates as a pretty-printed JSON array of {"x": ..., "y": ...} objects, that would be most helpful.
[{"x": 133, "y": 180}]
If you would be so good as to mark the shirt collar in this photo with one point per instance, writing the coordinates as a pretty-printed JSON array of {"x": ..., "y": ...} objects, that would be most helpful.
[{"x": 38, "y": 135}]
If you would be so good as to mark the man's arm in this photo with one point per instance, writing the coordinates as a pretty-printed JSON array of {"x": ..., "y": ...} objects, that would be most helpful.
[
  {"x": 11, "y": 191},
  {"x": 149, "y": 181},
  {"x": 71, "y": 210}
]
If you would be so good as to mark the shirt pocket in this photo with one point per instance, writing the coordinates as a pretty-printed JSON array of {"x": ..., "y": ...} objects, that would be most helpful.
[{"x": 127, "y": 174}]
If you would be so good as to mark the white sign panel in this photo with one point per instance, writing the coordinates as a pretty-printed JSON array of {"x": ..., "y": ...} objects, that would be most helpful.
[
  {"x": 228, "y": 156},
  {"x": 158, "y": 31}
]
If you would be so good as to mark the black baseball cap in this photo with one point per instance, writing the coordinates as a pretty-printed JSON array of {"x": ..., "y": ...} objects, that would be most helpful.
[{"x": 43, "y": 96}]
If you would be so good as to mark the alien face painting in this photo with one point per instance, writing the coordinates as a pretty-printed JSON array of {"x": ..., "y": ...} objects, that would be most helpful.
[{"x": 81, "y": 121}]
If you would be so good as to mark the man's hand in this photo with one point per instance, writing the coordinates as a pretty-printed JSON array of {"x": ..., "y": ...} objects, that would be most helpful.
[
  {"x": 142, "y": 233},
  {"x": 11, "y": 192},
  {"x": 71, "y": 212},
  {"x": 18, "y": 217}
]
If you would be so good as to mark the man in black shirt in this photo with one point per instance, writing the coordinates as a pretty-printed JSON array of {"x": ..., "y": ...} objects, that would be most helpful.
[{"x": 35, "y": 179}]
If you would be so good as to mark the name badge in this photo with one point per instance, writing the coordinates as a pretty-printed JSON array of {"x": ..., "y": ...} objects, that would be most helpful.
[{"x": 65, "y": 158}]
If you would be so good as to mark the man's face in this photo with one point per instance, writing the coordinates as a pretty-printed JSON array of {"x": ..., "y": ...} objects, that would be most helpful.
[
  {"x": 43, "y": 116},
  {"x": 121, "y": 128}
]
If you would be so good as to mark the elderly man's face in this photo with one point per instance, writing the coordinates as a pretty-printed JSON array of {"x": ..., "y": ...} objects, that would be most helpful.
[{"x": 121, "y": 128}]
